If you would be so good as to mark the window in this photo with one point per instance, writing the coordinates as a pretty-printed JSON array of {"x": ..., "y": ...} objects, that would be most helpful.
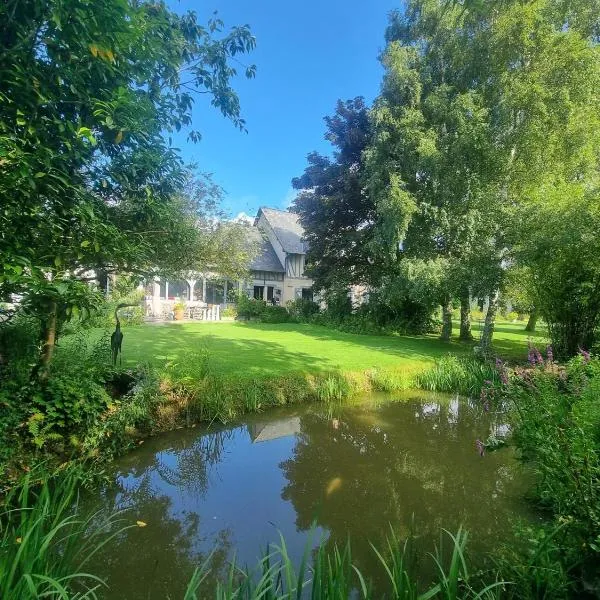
[{"x": 307, "y": 294}]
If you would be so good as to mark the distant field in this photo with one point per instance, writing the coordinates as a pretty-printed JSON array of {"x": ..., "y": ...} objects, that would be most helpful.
[{"x": 257, "y": 349}]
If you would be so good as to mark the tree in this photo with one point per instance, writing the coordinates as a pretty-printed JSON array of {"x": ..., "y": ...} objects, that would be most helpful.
[
  {"x": 481, "y": 109},
  {"x": 431, "y": 154},
  {"x": 90, "y": 93},
  {"x": 335, "y": 212}
]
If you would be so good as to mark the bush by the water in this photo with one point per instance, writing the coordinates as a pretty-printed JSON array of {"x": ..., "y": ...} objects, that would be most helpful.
[{"x": 557, "y": 431}]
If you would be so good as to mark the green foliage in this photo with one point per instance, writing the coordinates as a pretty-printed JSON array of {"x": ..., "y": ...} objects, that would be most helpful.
[
  {"x": 456, "y": 374},
  {"x": 230, "y": 312},
  {"x": 130, "y": 416},
  {"x": 566, "y": 274},
  {"x": 89, "y": 179},
  {"x": 274, "y": 314},
  {"x": 334, "y": 210},
  {"x": 332, "y": 575},
  {"x": 249, "y": 308},
  {"x": 302, "y": 309},
  {"x": 557, "y": 431},
  {"x": 252, "y": 309},
  {"x": 45, "y": 542}
]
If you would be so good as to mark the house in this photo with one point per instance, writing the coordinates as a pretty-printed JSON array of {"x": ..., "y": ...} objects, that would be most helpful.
[
  {"x": 284, "y": 252},
  {"x": 276, "y": 273}
]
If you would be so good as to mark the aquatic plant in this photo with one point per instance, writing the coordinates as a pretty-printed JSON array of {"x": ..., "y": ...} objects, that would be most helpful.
[
  {"x": 45, "y": 543},
  {"x": 458, "y": 374},
  {"x": 332, "y": 575}
]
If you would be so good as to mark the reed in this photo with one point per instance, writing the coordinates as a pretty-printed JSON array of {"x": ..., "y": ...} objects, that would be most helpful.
[
  {"x": 458, "y": 374},
  {"x": 332, "y": 575},
  {"x": 45, "y": 543}
]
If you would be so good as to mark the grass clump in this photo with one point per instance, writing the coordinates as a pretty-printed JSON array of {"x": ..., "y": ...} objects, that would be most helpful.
[
  {"x": 462, "y": 375},
  {"x": 45, "y": 543},
  {"x": 332, "y": 575}
]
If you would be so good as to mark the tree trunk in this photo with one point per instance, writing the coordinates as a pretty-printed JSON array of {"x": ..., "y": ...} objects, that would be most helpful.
[
  {"x": 531, "y": 323},
  {"x": 48, "y": 340},
  {"x": 490, "y": 320},
  {"x": 446, "y": 320},
  {"x": 465, "y": 318}
]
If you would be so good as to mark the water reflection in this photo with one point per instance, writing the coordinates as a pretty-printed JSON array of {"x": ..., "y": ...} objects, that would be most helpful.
[{"x": 355, "y": 470}]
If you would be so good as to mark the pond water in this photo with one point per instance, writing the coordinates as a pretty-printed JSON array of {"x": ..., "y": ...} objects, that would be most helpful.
[{"x": 353, "y": 470}]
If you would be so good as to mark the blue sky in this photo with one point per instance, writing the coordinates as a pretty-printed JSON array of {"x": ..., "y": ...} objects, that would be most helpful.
[{"x": 308, "y": 55}]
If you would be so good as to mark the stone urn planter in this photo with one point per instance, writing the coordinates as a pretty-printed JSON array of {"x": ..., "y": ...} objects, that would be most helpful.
[{"x": 179, "y": 311}]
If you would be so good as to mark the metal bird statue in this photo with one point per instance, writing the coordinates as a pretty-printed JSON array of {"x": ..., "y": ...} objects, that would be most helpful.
[{"x": 116, "y": 339}]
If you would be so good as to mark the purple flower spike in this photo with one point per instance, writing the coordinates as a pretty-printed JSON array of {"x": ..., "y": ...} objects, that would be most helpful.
[
  {"x": 480, "y": 447},
  {"x": 586, "y": 355}
]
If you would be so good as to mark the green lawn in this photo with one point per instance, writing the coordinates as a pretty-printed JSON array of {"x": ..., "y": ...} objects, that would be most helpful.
[{"x": 264, "y": 349}]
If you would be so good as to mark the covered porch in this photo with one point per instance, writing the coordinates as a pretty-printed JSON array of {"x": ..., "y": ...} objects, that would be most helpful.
[{"x": 203, "y": 297}]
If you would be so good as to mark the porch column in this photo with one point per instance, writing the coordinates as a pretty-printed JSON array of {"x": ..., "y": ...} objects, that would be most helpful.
[
  {"x": 265, "y": 292},
  {"x": 166, "y": 290},
  {"x": 156, "y": 306},
  {"x": 191, "y": 283},
  {"x": 225, "y": 293},
  {"x": 204, "y": 289}
]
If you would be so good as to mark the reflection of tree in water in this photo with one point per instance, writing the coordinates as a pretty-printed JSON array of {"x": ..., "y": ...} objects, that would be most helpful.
[
  {"x": 157, "y": 561},
  {"x": 366, "y": 470},
  {"x": 184, "y": 466}
]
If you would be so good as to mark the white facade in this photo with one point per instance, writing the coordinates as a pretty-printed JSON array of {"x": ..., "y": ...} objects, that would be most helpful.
[{"x": 276, "y": 273}]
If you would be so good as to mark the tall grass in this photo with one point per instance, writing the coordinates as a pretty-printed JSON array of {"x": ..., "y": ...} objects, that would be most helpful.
[
  {"x": 458, "y": 374},
  {"x": 332, "y": 575},
  {"x": 45, "y": 543}
]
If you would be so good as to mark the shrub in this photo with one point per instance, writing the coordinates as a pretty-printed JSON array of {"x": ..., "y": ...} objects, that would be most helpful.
[
  {"x": 249, "y": 308},
  {"x": 557, "y": 431},
  {"x": 229, "y": 312},
  {"x": 274, "y": 314},
  {"x": 302, "y": 309}
]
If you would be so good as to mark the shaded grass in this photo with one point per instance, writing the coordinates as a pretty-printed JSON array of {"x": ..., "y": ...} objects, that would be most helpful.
[{"x": 259, "y": 349}]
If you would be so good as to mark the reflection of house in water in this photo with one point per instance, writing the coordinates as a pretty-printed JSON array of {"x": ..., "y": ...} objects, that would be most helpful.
[{"x": 262, "y": 432}]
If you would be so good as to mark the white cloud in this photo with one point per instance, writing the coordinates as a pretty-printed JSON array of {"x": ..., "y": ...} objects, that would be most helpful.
[{"x": 242, "y": 217}]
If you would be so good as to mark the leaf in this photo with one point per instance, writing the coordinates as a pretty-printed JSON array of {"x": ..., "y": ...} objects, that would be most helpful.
[
  {"x": 141, "y": 523},
  {"x": 93, "y": 49},
  {"x": 40, "y": 174},
  {"x": 85, "y": 243},
  {"x": 119, "y": 137}
]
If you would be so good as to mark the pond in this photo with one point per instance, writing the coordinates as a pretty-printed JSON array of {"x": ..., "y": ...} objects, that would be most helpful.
[{"x": 354, "y": 470}]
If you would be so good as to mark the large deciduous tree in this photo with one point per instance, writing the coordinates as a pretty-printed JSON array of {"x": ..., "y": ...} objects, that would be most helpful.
[
  {"x": 336, "y": 213},
  {"x": 485, "y": 148},
  {"x": 89, "y": 94}
]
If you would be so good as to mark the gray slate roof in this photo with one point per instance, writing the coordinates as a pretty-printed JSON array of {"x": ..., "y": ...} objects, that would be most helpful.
[
  {"x": 265, "y": 259},
  {"x": 287, "y": 229}
]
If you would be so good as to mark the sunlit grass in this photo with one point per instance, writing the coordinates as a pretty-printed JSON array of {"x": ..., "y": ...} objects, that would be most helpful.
[{"x": 257, "y": 349}]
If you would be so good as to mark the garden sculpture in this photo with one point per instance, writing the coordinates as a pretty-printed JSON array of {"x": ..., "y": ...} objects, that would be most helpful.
[{"x": 116, "y": 339}]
